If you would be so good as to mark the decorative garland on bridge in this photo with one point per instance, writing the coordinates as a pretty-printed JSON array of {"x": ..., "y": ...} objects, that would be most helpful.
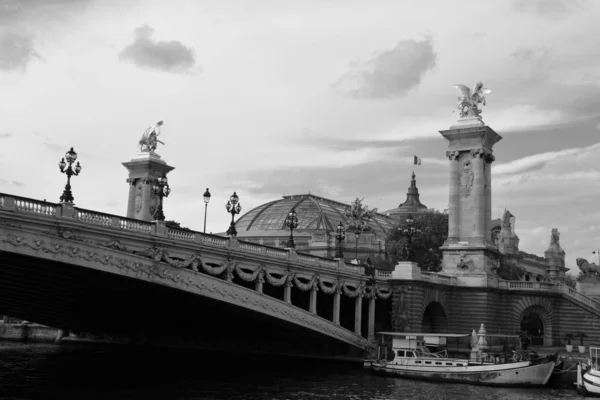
[
  {"x": 353, "y": 293},
  {"x": 276, "y": 281},
  {"x": 382, "y": 294},
  {"x": 327, "y": 289},
  {"x": 249, "y": 277},
  {"x": 311, "y": 284}
]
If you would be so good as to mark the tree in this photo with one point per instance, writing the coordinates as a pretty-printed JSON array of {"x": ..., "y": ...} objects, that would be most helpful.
[
  {"x": 426, "y": 246},
  {"x": 175, "y": 225},
  {"x": 508, "y": 269}
]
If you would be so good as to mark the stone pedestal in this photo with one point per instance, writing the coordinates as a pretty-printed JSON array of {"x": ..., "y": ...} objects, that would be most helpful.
[
  {"x": 469, "y": 249},
  {"x": 407, "y": 270},
  {"x": 144, "y": 169}
]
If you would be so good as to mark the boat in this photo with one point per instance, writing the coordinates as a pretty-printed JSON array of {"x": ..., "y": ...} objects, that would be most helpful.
[
  {"x": 413, "y": 356},
  {"x": 588, "y": 374}
]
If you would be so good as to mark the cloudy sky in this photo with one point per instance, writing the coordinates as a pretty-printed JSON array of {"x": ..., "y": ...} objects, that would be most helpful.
[{"x": 274, "y": 97}]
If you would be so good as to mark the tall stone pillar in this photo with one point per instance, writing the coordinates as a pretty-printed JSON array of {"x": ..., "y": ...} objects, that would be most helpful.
[
  {"x": 358, "y": 315},
  {"x": 468, "y": 249},
  {"x": 144, "y": 169},
  {"x": 336, "y": 306},
  {"x": 371, "y": 336}
]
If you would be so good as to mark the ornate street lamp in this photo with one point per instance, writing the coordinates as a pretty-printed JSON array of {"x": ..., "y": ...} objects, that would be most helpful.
[
  {"x": 291, "y": 221},
  {"x": 161, "y": 189},
  {"x": 340, "y": 235},
  {"x": 407, "y": 253},
  {"x": 233, "y": 207},
  {"x": 357, "y": 233},
  {"x": 71, "y": 156},
  {"x": 206, "y": 200}
]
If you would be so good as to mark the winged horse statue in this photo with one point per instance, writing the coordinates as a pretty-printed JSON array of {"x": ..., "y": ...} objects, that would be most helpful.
[
  {"x": 149, "y": 139},
  {"x": 469, "y": 99}
]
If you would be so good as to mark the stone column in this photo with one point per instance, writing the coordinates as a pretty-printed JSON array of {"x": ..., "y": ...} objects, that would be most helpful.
[
  {"x": 336, "y": 306},
  {"x": 131, "y": 200},
  {"x": 478, "y": 194},
  {"x": 287, "y": 292},
  {"x": 358, "y": 315},
  {"x": 313, "y": 299},
  {"x": 488, "y": 160},
  {"x": 371, "y": 336},
  {"x": 258, "y": 285},
  {"x": 453, "y": 200}
]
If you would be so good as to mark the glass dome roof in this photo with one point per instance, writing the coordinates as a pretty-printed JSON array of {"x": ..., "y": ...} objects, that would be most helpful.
[{"x": 314, "y": 213}]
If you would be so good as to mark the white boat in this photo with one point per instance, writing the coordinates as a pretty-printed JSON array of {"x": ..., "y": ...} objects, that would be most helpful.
[
  {"x": 409, "y": 357},
  {"x": 588, "y": 376}
]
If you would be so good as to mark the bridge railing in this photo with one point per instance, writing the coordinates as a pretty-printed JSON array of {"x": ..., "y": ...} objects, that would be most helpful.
[{"x": 158, "y": 228}]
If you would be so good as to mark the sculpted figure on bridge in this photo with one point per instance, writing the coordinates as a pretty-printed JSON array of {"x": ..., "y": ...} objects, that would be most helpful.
[
  {"x": 469, "y": 99},
  {"x": 359, "y": 216},
  {"x": 588, "y": 269},
  {"x": 149, "y": 139}
]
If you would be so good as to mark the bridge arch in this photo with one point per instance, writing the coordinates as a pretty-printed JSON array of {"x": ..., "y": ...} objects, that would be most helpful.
[
  {"x": 533, "y": 311},
  {"x": 434, "y": 312}
]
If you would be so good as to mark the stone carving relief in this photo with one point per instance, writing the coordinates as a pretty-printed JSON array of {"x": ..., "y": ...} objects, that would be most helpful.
[
  {"x": 463, "y": 263},
  {"x": 466, "y": 176}
]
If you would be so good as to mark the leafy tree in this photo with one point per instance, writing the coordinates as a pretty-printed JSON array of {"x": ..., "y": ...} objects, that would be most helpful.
[
  {"x": 175, "y": 225},
  {"x": 508, "y": 269},
  {"x": 426, "y": 246}
]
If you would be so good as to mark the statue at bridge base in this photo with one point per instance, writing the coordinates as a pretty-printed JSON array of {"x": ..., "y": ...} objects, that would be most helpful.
[{"x": 590, "y": 283}]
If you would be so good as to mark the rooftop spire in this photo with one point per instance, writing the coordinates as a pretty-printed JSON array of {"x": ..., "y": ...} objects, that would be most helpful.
[{"x": 412, "y": 196}]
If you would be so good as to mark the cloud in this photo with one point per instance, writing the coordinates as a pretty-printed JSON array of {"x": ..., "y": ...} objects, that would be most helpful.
[
  {"x": 554, "y": 9},
  {"x": 53, "y": 146},
  {"x": 16, "y": 51},
  {"x": 532, "y": 163},
  {"x": 169, "y": 56},
  {"x": 5, "y": 135},
  {"x": 18, "y": 183},
  {"x": 392, "y": 73}
]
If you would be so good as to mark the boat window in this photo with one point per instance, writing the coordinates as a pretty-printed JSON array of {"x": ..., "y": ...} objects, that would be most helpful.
[
  {"x": 448, "y": 363},
  {"x": 427, "y": 362},
  {"x": 400, "y": 353},
  {"x": 438, "y": 363},
  {"x": 417, "y": 362},
  {"x": 459, "y": 364},
  {"x": 409, "y": 354}
]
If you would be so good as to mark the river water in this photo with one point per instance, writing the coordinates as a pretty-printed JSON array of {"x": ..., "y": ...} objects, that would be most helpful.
[{"x": 76, "y": 371}]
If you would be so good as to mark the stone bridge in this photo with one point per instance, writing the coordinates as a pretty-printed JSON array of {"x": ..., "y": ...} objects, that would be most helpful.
[{"x": 82, "y": 270}]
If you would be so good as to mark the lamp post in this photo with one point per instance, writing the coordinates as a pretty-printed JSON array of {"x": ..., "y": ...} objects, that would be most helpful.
[
  {"x": 233, "y": 207},
  {"x": 161, "y": 189},
  {"x": 410, "y": 231},
  {"x": 206, "y": 200},
  {"x": 71, "y": 156},
  {"x": 340, "y": 235},
  {"x": 357, "y": 233},
  {"x": 291, "y": 221}
]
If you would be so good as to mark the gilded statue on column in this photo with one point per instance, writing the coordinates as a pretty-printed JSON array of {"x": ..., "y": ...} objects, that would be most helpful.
[{"x": 469, "y": 100}]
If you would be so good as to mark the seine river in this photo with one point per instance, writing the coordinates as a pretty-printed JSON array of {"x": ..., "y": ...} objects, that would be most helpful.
[{"x": 74, "y": 371}]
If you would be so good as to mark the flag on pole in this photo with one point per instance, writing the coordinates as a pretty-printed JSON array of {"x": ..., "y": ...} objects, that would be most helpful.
[{"x": 417, "y": 160}]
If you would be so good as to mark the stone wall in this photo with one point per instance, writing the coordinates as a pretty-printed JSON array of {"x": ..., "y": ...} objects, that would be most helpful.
[{"x": 501, "y": 311}]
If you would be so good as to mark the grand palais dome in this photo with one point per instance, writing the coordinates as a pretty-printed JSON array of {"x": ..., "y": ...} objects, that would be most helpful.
[{"x": 315, "y": 214}]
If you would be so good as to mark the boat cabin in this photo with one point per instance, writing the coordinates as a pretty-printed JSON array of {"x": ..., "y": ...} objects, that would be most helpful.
[{"x": 412, "y": 349}]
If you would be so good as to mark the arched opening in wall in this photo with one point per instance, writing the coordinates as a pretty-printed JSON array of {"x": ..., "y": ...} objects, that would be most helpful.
[
  {"x": 533, "y": 325},
  {"x": 434, "y": 319}
]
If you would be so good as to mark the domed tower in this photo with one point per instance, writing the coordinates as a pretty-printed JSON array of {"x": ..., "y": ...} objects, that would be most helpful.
[{"x": 412, "y": 205}]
